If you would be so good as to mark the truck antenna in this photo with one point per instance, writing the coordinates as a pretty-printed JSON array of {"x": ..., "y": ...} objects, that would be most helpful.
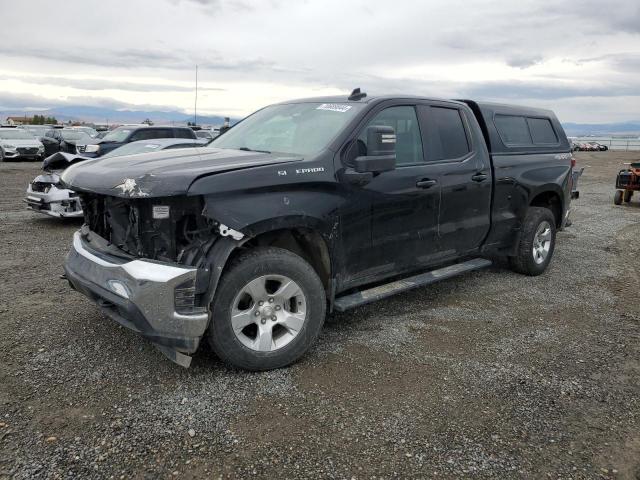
[
  {"x": 195, "y": 104},
  {"x": 357, "y": 94}
]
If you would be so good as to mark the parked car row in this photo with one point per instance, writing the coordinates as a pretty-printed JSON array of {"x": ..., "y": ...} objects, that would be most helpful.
[
  {"x": 35, "y": 142},
  {"x": 588, "y": 147}
]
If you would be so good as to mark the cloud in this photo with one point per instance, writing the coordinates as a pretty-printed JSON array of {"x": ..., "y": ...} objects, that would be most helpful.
[
  {"x": 516, "y": 90},
  {"x": 10, "y": 101},
  {"x": 143, "y": 58},
  {"x": 262, "y": 51},
  {"x": 524, "y": 61},
  {"x": 105, "y": 84}
]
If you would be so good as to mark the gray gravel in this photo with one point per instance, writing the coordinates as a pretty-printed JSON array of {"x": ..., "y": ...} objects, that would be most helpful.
[{"x": 489, "y": 375}]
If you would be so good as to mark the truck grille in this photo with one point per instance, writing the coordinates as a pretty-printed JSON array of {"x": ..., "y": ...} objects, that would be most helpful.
[{"x": 129, "y": 224}]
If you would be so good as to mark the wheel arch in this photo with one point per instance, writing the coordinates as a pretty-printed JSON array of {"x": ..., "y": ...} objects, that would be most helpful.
[
  {"x": 552, "y": 200},
  {"x": 306, "y": 239}
]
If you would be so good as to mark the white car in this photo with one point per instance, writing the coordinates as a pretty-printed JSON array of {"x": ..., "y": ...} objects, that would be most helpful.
[
  {"x": 16, "y": 144},
  {"x": 46, "y": 195}
]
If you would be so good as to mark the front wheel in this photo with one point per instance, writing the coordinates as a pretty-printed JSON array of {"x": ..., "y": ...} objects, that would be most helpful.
[
  {"x": 627, "y": 196},
  {"x": 617, "y": 197},
  {"x": 537, "y": 242},
  {"x": 268, "y": 310}
]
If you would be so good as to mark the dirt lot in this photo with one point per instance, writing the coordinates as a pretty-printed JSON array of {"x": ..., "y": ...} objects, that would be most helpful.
[{"x": 487, "y": 375}]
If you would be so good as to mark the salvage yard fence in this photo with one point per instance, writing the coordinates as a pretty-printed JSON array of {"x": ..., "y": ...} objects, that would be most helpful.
[{"x": 614, "y": 143}]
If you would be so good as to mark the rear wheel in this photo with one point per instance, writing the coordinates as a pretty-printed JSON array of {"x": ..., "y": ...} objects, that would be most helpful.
[
  {"x": 537, "y": 242},
  {"x": 268, "y": 310},
  {"x": 627, "y": 196},
  {"x": 617, "y": 197}
]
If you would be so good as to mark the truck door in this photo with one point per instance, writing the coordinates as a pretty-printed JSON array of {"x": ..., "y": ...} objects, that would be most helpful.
[
  {"x": 456, "y": 146},
  {"x": 403, "y": 203}
]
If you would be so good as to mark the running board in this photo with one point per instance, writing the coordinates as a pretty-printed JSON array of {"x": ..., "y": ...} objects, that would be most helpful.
[{"x": 383, "y": 291}]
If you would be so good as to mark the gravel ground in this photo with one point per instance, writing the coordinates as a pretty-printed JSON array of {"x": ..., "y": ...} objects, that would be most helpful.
[{"x": 489, "y": 375}]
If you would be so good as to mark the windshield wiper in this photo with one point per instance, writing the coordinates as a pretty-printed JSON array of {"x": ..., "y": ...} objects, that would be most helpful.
[{"x": 247, "y": 149}]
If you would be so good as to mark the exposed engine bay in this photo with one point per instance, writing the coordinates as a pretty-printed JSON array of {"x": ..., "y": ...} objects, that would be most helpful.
[{"x": 172, "y": 229}]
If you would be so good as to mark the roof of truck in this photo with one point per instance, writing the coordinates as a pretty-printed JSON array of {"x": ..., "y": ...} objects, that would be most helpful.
[
  {"x": 367, "y": 99},
  {"x": 511, "y": 109}
]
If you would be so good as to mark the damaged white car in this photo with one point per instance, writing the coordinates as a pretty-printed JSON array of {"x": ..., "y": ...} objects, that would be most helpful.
[{"x": 46, "y": 195}]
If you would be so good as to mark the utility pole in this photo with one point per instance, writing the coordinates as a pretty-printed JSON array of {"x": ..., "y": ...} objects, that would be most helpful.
[{"x": 195, "y": 105}]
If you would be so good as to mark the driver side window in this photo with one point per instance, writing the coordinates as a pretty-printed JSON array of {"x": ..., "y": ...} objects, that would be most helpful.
[{"x": 404, "y": 121}]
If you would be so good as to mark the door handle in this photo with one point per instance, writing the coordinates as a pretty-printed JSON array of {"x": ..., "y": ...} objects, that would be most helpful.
[
  {"x": 479, "y": 177},
  {"x": 426, "y": 183}
]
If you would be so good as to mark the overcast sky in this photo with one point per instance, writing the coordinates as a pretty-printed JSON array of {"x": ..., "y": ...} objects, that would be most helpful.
[{"x": 580, "y": 58}]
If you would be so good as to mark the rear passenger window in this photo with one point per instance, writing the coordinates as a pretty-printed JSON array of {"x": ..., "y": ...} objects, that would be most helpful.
[
  {"x": 542, "y": 131},
  {"x": 141, "y": 135},
  {"x": 184, "y": 133},
  {"x": 152, "y": 133},
  {"x": 513, "y": 130},
  {"x": 453, "y": 142}
]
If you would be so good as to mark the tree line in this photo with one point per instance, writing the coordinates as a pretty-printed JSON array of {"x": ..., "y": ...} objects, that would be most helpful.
[{"x": 42, "y": 120}]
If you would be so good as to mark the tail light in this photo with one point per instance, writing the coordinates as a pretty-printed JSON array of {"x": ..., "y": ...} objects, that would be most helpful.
[{"x": 573, "y": 161}]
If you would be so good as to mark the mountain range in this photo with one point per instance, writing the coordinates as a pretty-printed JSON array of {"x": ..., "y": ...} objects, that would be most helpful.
[
  {"x": 620, "y": 128},
  {"x": 103, "y": 115}
]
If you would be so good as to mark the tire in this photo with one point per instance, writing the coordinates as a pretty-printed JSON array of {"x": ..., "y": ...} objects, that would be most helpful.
[
  {"x": 537, "y": 242},
  {"x": 1, "y": 155},
  {"x": 271, "y": 268},
  {"x": 617, "y": 197},
  {"x": 626, "y": 197}
]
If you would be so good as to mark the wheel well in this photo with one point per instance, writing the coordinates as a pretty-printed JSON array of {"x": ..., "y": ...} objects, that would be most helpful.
[
  {"x": 552, "y": 201},
  {"x": 306, "y": 243}
]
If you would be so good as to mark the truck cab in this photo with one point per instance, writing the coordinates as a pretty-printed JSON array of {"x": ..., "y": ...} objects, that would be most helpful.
[{"x": 310, "y": 206}]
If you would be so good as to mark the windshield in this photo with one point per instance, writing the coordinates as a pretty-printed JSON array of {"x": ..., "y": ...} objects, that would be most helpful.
[
  {"x": 37, "y": 130},
  {"x": 76, "y": 135},
  {"x": 297, "y": 128},
  {"x": 15, "y": 133},
  {"x": 134, "y": 148},
  {"x": 117, "y": 135},
  {"x": 88, "y": 130}
]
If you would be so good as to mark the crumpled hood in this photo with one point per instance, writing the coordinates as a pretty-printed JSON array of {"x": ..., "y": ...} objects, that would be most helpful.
[
  {"x": 161, "y": 174},
  {"x": 51, "y": 178},
  {"x": 61, "y": 160}
]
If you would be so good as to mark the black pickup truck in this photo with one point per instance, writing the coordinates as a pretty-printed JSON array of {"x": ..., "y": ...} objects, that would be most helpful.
[{"x": 311, "y": 206}]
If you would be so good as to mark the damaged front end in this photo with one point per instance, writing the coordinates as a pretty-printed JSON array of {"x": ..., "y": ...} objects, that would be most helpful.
[
  {"x": 151, "y": 264},
  {"x": 46, "y": 195}
]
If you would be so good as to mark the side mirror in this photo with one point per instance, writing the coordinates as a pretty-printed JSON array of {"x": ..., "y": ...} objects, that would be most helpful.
[{"x": 381, "y": 151}]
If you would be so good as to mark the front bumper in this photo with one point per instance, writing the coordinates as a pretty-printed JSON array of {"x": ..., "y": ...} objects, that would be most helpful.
[
  {"x": 56, "y": 202},
  {"x": 18, "y": 155},
  {"x": 138, "y": 294}
]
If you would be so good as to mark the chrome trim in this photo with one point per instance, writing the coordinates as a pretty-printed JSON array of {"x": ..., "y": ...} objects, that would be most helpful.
[{"x": 150, "y": 285}]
